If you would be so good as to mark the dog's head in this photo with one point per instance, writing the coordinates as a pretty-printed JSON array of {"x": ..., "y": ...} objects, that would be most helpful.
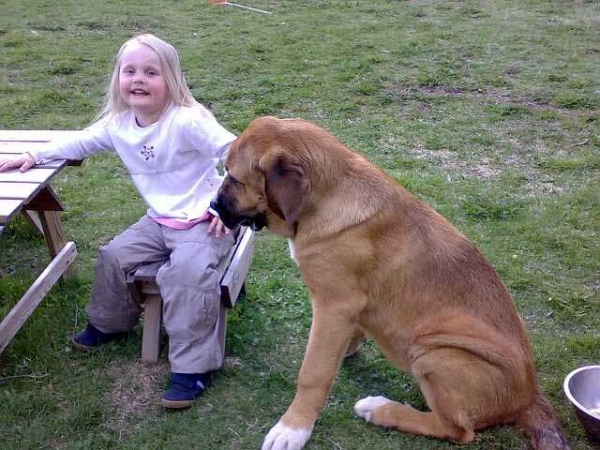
[{"x": 266, "y": 183}]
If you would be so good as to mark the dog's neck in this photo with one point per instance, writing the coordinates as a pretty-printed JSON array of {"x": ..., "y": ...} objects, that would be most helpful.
[{"x": 358, "y": 205}]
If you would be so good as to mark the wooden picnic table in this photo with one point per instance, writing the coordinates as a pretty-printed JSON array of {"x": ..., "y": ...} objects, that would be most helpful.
[{"x": 30, "y": 194}]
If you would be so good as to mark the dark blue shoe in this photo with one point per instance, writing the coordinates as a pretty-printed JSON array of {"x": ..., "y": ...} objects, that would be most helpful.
[
  {"x": 185, "y": 389},
  {"x": 92, "y": 337}
]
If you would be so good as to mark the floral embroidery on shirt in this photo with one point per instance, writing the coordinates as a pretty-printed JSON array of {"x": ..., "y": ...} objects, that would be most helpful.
[{"x": 148, "y": 152}]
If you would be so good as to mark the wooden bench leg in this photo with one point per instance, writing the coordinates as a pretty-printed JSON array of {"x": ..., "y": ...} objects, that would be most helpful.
[
  {"x": 222, "y": 328},
  {"x": 152, "y": 325},
  {"x": 53, "y": 234}
]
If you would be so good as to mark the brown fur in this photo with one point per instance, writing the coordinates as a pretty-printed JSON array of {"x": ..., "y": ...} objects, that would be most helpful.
[{"x": 378, "y": 261}]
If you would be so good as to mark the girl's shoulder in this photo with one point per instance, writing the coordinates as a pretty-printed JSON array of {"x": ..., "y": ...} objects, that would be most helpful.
[
  {"x": 113, "y": 121},
  {"x": 192, "y": 114}
]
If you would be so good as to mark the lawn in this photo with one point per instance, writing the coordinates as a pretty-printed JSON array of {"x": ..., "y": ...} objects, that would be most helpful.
[{"x": 489, "y": 111}]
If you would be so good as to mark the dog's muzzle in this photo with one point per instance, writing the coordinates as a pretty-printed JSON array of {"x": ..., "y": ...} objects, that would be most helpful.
[{"x": 255, "y": 221}]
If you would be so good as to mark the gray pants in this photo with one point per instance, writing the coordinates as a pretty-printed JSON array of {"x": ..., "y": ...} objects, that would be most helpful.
[{"x": 189, "y": 283}]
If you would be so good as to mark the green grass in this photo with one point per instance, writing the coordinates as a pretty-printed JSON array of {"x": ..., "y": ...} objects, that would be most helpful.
[{"x": 489, "y": 111}]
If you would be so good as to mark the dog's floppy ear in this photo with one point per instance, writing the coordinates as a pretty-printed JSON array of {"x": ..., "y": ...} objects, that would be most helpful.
[{"x": 287, "y": 186}]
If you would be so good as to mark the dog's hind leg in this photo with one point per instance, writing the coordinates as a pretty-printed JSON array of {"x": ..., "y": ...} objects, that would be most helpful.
[
  {"x": 390, "y": 414},
  {"x": 463, "y": 391}
]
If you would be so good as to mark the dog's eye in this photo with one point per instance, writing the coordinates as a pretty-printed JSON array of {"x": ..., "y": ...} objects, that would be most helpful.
[{"x": 233, "y": 181}]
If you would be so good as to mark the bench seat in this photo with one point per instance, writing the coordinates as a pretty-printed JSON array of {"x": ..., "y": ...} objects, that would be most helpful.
[{"x": 145, "y": 291}]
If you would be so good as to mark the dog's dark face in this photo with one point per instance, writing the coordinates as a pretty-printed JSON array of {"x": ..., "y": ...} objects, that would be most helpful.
[
  {"x": 239, "y": 203},
  {"x": 240, "y": 200},
  {"x": 264, "y": 186}
]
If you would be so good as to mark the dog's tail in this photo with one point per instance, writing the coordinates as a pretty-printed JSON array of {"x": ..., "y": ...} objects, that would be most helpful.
[{"x": 539, "y": 421}]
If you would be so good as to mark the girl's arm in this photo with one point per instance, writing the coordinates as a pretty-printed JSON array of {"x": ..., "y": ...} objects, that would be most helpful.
[
  {"x": 85, "y": 143},
  {"x": 207, "y": 135}
]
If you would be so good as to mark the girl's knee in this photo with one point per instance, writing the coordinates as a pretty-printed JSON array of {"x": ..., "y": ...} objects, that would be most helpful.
[
  {"x": 110, "y": 252},
  {"x": 197, "y": 276}
]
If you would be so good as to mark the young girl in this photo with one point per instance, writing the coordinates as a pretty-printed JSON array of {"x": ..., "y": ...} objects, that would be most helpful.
[{"x": 170, "y": 145}]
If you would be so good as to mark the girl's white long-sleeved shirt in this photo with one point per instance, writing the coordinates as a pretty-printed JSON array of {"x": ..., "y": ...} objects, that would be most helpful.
[{"x": 173, "y": 162}]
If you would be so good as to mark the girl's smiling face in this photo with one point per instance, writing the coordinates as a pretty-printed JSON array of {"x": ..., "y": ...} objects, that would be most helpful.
[{"x": 142, "y": 84}]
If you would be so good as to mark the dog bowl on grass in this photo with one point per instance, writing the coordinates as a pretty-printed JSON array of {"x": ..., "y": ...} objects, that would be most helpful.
[{"x": 582, "y": 387}]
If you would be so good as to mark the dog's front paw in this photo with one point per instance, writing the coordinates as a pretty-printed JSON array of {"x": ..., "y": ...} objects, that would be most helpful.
[
  {"x": 282, "y": 437},
  {"x": 366, "y": 407}
]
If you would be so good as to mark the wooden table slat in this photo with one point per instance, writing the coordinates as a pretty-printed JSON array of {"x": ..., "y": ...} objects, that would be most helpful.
[
  {"x": 8, "y": 208},
  {"x": 17, "y": 190},
  {"x": 38, "y": 174},
  {"x": 55, "y": 163}
]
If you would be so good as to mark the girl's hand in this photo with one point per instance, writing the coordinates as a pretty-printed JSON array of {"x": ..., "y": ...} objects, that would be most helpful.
[
  {"x": 218, "y": 227},
  {"x": 23, "y": 162}
]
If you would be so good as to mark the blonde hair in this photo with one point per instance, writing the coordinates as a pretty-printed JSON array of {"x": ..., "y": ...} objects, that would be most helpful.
[{"x": 178, "y": 91}]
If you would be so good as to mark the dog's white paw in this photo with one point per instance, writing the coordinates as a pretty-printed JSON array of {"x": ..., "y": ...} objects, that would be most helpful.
[
  {"x": 282, "y": 437},
  {"x": 366, "y": 407}
]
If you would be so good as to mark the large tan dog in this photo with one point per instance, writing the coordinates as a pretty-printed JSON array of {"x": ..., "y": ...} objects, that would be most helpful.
[{"x": 378, "y": 262}]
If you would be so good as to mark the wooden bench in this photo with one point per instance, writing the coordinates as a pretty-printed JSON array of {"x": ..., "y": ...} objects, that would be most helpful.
[{"x": 143, "y": 287}]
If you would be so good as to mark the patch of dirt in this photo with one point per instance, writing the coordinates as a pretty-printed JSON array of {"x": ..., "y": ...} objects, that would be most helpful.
[
  {"x": 540, "y": 188},
  {"x": 137, "y": 389},
  {"x": 499, "y": 97},
  {"x": 449, "y": 161},
  {"x": 232, "y": 363},
  {"x": 493, "y": 96},
  {"x": 485, "y": 169}
]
